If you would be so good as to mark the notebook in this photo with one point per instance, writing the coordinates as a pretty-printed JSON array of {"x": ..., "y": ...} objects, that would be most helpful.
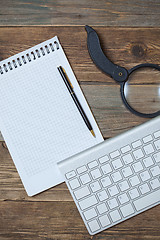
[{"x": 39, "y": 119}]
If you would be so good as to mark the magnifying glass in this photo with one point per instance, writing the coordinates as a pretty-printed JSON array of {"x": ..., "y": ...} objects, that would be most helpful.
[{"x": 123, "y": 76}]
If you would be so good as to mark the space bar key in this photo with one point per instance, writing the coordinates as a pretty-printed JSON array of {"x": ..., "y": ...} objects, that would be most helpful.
[{"x": 147, "y": 201}]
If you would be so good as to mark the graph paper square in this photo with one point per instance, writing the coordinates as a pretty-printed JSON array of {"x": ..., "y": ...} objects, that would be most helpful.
[{"x": 39, "y": 119}]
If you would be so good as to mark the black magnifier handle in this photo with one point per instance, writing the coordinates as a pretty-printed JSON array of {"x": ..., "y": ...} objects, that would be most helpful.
[{"x": 118, "y": 73}]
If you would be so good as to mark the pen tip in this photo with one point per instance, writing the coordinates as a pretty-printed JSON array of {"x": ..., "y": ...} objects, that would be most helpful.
[{"x": 93, "y": 133}]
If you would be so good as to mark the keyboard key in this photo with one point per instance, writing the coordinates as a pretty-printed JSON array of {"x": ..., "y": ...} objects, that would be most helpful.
[
  {"x": 116, "y": 177},
  {"x": 134, "y": 181},
  {"x": 70, "y": 175},
  {"x": 136, "y": 144},
  {"x": 157, "y": 157},
  {"x": 94, "y": 225},
  {"x": 148, "y": 149},
  {"x": 127, "y": 210},
  {"x": 127, "y": 159},
  {"x": 117, "y": 181},
  {"x": 123, "y": 198},
  {"x": 104, "y": 220},
  {"x": 92, "y": 164},
  {"x": 114, "y": 154},
  {"x": 102, "y": 195},
  {"x": 112, "y": 203},
  {"x": 138, "y": 154},
  {"x": 88, "y": 202},
  {"x": 124, "y": 185},
  {"x": 82, "y": 192},
  {"x": 148, "y": 162},
  {"x": 137, "y": 167},
  {"x": 113, "y": 191},
  {"x": 157, "y": 134},
  {"x": 127, "y": 172},
  {"x": 85, "y": 178},
  {"x": 147, "y": 139},
  {"x": 157, "y": 144},
  {"x": 155, "y": 183},
  {"x": 115, "y": 216},
  {"x": 74, "y": 183},
  {"x": 89, "y": 214},
  {"x": 145, "y": 176},
  {"x": 155, "y": 171},
  {"x": 81, "y": 169},
  {"x": 103, "y": 159},
  {"x": 125, "y": 149},
  {"x": 147, "y": 200},
  {"x": 144, "y": 188},
  {"x": 106, "y": 168},
  {"x": 117, "y": 164},
  {"x": 95, "y": 186},
  {"x": 96, "y": 174},
  {"x": 102, "y": 208},
  {"x": 134, "y": 193},
  {"x": 106, "y": 181}
]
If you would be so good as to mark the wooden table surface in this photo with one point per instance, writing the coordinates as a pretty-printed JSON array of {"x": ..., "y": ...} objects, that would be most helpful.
[{"x": 129, "y": 31}]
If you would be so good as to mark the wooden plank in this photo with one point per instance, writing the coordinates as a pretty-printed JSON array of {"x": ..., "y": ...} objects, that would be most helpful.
[
  {"x": 71, "y": 12},
  {"x": 124, "y": 46},
  {"x": 53, "y": 214},
  {"x": 101, "y": 92},
  {"x": 61, "y": 220},
  {"x": 107, "y": 108},
  {"x": 109, "y": 111}
]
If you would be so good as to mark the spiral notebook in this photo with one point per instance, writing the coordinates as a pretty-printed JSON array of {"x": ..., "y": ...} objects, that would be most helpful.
[{"x": 39, "y": 120}]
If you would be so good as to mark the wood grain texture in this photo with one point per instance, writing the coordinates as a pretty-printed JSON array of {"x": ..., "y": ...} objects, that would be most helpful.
[
  {"x": 61, "y": 221},
  {"x": 76, "y": 12},
  {"x": 52, "y": 215},
  {"x": 124, "y": 46}
]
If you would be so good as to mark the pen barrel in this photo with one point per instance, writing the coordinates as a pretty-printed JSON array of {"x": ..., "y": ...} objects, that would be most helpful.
[
  {"x": 74, "y": 97},
  {"x": 64, "y": 77},
  {"x": 81, "y": 111}
]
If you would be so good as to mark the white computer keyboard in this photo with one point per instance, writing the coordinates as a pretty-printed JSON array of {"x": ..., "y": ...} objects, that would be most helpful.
[{"x": 116, "y": 179}]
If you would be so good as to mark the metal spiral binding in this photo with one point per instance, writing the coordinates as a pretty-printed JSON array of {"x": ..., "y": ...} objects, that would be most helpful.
[{"x": 28, "y": 57}]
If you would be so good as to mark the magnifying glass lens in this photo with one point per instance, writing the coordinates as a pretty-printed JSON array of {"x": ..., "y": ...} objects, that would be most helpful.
[{"x": 142, "y": 90}]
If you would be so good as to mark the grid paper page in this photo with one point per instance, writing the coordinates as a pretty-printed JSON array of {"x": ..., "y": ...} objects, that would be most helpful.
[{"x": 39, "y": 120}]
